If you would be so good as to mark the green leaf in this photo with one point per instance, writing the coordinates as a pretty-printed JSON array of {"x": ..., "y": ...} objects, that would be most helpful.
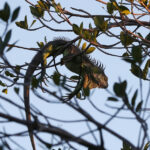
[
  {"x": 15, "y": 14},
  {"x": 56, "y": 78},
  {"x": 136, "y": 70},
  {"x": 126, "y": 39},
  {"x": 147, "y": 145},
  {"x": 110, "y": 8},
  {"x": 7, "y": 37},
  {"x": 79, "y": 42},
  {"x": 78, "y": 95},
  {"x": 2, "y": 84},
  {"x": 90, "y": 26},
  {"x": 86, "y": 35},
  {"x": 126, "y": 146},
  {"x": 81, "y": 28},
  {"x": 90, "y": 50},
  {"x": 148, "y": 37},
  {"x": 34, "y": 82},
  {"x": 40, "y": 44},
  {"x": 7, "y": 73},
  {"x": 23, "y": 24},
  {"x": 32, "y": 23},
  {"x": 86, "y": 91},
  {"x": 42, "y": 4},
  {"x": 76, "y": 29},
  {"x": 125, "y": 54},
  {"x": 9, "y": 48},
  {"x": 138, "y": 108},
  {"x": 5, "y": 91},
  {"x": 16, "y": 79},
  {"x": 75, "y": 77},
  {"x": 100, "y": 23},
  {"x": 37, "y": 11},
  {"x": 16, "y": 90},
  {"x": 137, "y": 54},
  {"x": 145, "y": 70},
  {"x": 112, "y": 99},
  {"x": 84, "y": 46},
  {"x": 17, "y": 69},
  {"x": 5, "y": 13},
  {"x": 124, "y": 10},
  {"x": 120, "y": 88},
  {"x": 6, "y": 40},
  {"x": 134, "y": 98}
]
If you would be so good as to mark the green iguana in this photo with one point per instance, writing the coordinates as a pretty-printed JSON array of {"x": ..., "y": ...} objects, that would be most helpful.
[{"x": 92, "y": 74}]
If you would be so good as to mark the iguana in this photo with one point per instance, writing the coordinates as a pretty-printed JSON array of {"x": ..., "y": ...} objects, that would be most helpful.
[{"x": 92, "y": 74}]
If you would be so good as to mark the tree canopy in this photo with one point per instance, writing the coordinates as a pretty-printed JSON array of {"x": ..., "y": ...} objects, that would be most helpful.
[{"x": 120, "y": 30}]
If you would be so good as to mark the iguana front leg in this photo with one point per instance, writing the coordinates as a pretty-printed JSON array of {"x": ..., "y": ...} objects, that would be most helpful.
[{"x": 75, "y": 91}]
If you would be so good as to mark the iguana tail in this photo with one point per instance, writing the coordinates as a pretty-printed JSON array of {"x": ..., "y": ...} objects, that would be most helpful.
[{"x": 28, "y": 76}]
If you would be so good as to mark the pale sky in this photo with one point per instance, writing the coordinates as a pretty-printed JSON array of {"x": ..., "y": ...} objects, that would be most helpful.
[{"x": 115, "y": 69}]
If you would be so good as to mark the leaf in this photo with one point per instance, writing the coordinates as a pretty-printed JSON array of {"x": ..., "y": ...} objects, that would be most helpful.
[
  {"x": 37, "y": 11},
  {"x": 110, "y": 8},
  {"x": 125, "y": 54},
  {"x": 2, "y": 84},
  {"x": 81, "y": 28},
  {"x": 56, "y": 78},
  {"x": 23, "y": 24},
  {"x": 136, "y": 70},
  {"x": 100, "y": 23},
  {"x": 78, "y": 95},
  {"x": 137, "y": 54},
  {"x": 7, "y": 37},
  {"x": 40, "y": 44},
  {"x": 5, "y": 13},
  {"x": 125, "y": 39},
  {"x": 26, "y": 22},
  {"x": 75, "y": 77},
  {"x": 134, "y": 98},
  {"x": 120, "y": 88},
  {"x": 86, "y": 91},
  {"x": 147, "y": 145},
  {"x": 41, "y": 4},
  {"x": 32, "y": 23},
  {"x": 6, "y": 40},
  {"x": 15, "y": 14},
  {"x": 112, "y": 99},
  {"x": 16, "y": 90},
  {"x": 7, "y": 73},
  {"x": 148, "y": 37},
  {"x": 145, "y": 70},
  {"x": 79, "y": 42},
  {"x": 34, "y": 82},
  {"x": 124, "y": 10},
  {"x": 138, "y": 108},
  {"x": 90, "y": 50},
  {"x": 17, "y": 69},
  {"x": 126, "y": 146},
  {"x": 86, "y": 35},
  {"x": 84, "y": 46},
  {"x": 9, "y": 48},
  {"x": 76, "y": 29},
  {"x": 5, "y": 91}
]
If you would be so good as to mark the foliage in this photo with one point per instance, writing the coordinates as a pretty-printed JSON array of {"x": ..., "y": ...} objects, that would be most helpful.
[{"x": 124, "y": 23}]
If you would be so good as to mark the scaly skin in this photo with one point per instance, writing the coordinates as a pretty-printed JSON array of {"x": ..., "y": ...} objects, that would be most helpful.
[
  {"x": 27, "y": 80},
  {"x": 92, "y": 75}
]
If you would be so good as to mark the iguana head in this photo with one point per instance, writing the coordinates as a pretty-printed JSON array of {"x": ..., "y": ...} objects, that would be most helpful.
[{"x": 94, "y": 76}]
